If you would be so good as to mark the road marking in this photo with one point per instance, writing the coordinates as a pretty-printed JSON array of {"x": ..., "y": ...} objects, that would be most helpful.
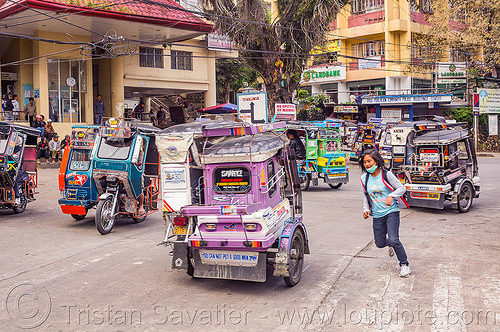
[{"x": 447, "y": 302}]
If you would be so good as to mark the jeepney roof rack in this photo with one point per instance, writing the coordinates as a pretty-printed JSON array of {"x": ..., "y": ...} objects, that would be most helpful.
[
  {"x": 429, "y": 117},
  {"x": 19, "y": 128},
  {"x": 308, "y": 124},
  {"x": 191, "y": 127}
]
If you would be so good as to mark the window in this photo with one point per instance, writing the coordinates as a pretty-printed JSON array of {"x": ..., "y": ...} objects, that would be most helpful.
[
  {"x": 363, "y": 6},
  {"x": 271, "y": 178},
  {"x": 114, "y": 148},
  {"x": 364, "y": 50},
  {"x": 150, "y": 57},
  {"x": 182, "y": 60},
  {"x": 80, "y": 160},
  {"x": 235, "y": 180}
]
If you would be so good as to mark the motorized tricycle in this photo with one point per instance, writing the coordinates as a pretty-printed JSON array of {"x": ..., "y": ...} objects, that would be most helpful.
[
  {"x": 324, "y": 159},
  {"x": 18, "y": 169},
  {"x": 445, "y": 169},
  {"x": 125, "y": 169},
  {"x": 249, "y": 210},
  {"x": 367, "y": 136},
  {"x": 78, "y": 190}
]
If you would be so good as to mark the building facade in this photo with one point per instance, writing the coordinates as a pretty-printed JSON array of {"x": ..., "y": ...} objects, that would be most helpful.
[{"x": 65, "y": 53}]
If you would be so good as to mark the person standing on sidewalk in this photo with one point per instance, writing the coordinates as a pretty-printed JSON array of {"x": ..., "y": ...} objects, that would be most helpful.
[
  {"x": 99, "y": 110},
  {"x": 30, "y": 111},
  {"x": 382, "y": 198},
  {"x": 17, "y": 107}
]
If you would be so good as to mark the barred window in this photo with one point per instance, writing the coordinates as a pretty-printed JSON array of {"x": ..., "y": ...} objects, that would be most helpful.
[
  {"x": 363, "y": 6},
  {"x": 181, "y": 60},
  {"x": 150, "y": 57}
]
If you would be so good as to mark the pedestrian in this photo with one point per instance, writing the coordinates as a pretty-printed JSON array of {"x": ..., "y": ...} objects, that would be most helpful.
[
  {"x": 99, "y": 110},
  {"x": 30, "y": 111},
  {"x": 42, "y": 150},
  {"x": 160, "y": 117},
  {"x": 39, "y": 124},
  {"x": 152, "y": 117},
  {"x": 138, "y": 110},
  {"x": 65, "y": 142},
  {"x": 8, "y": 108},
  {"x": 49, "y": 130},
  {"x": 55, "y": 148},
  {"x": 17, "y": 108},
  {"x": 180, "y": 101},
  {"x": 382, "y": 198}
]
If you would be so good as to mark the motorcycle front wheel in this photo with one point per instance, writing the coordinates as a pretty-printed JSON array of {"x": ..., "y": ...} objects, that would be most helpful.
[{"x": 104, "y": 219}]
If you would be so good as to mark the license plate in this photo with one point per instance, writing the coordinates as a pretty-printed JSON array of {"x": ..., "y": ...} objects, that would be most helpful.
[
  {"x": 424, "y": 195},
  {"x": 174, "y": 176},
  {"x": 232, "y": 258},
  {"x": 180, "y": 230},
  {"x": 338, "y": 175},
  {"x": 314, "y": 175}
]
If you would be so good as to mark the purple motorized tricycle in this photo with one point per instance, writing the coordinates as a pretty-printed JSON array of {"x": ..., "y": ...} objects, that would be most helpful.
[{"x": 248, "y": 214}]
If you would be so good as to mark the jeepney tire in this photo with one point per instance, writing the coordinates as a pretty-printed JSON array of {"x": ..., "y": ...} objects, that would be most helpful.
[
  {"x": 295, "y": 270},
  {"x": 465, "y": 197},
  {"x": 335, "y": 186},
  {"x": 305, "y": 181},
  {"x": 18, "y": 209},
  {"x": 102, "y": 226}
]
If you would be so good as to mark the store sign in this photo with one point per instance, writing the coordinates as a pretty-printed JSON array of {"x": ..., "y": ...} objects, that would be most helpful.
[
  {"x": 345, "y": 109},
  {"x": 252, "y": 107},
  {"x": 324, "y": 74},
  {"x": 216, "y": 42},
  {"x": 391, "y": 115},
  {"x": 493, "y": 124},
  {"x": 452, "y": 73},
  {"x": 371, "y": 62},
  {"x": 489, "y": 100},
  {"x": 409, "y": 99},
  {"x": 330, "y": 47},
  {"x": 285, "y": 112},
  {"x": 6, "y": 76}
]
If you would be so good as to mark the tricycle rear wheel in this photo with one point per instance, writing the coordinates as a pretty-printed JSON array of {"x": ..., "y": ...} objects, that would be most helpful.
[
  {"x": 296, "y": 258},
  {"x": 79, "y": 217},
  {"x": 104, "y": 219},
  {"x": 335, "y": 186},
  {"x": 19, "y": 208}
]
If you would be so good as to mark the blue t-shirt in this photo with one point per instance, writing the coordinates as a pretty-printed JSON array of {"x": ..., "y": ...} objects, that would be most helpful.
[{"x": 378, "y": 192}]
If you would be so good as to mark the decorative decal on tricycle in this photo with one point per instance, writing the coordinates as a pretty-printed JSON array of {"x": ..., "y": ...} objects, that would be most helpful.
[
  {"x": 230, "y": 228},
  {"x": 279, "y": 212},
  {"x": 80, "y": 179},
  {"x": 172, "y": 151},
  {"x": 70, "y": 175}
]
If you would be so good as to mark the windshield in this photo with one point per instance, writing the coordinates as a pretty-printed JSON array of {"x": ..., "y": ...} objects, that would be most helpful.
[
  {"x": 80, "y": 160},
  {"x": 114, "y": 148},
  {"x": 4, "y": 139}
]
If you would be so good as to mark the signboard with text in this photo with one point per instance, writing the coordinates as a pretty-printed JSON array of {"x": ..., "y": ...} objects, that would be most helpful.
[
  {"x": 493, "y": 124},
  {"x": 368, "y": 63},
  {"x": 324, "y": 74},
  {"x": 252, "y": 107},
  {"x": 406, "y": 99},
  {"x": 285, "y": 112},
  {"x": 345, "y": 109},
  {"x": 489, "y": 100},
  {"x": 452, "y": 72}
]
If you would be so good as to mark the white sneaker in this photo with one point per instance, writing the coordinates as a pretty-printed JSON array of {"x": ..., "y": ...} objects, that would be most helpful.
[
  {"x": 391, "y": 251},
  {"x": 17, "y": 201},
  {"x": 405, "y": 271}
]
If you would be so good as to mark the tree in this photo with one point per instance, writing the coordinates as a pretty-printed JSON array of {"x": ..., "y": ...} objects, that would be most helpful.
[
  {"x": 232, "y": 75},
  {"x": 470, "y": 30},
  {"x": 275, "y": 43}
]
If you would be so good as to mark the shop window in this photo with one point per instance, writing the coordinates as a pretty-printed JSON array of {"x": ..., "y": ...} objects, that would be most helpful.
[
  {"x": 150, "y": 57},
  {"x": 181, "y": 60},
  {"x": 67, "y": 80}
]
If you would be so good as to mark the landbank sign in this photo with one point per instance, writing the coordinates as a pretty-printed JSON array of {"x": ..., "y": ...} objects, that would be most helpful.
[
  {"x": 408, "y": 99},
  {"x": 324, "y": 74}
]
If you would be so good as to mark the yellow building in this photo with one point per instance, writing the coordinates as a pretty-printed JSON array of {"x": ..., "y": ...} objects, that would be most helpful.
[
  {"x": 65, "y": 52},
  {"x": 371, "y": 54}
]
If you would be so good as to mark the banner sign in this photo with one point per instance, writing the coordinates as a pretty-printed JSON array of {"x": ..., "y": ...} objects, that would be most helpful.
[
  {"x": 285, "y": 112},
  {"x": 345, "y": 109},
  {"x": 489, "y": 100}
]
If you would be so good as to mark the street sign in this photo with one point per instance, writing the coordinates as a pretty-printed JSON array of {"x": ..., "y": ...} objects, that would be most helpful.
[{"x": 252, "y": 107}]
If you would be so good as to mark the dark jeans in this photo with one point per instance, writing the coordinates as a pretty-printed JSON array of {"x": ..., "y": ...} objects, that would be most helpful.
[
  {"x": 43, "y": 153},
  {"x": 386, "y": 232},
  {"x": 98, "y": 119}
]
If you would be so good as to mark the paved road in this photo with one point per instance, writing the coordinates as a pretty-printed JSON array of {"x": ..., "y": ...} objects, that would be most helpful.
[{"x": 57, "y": 274}]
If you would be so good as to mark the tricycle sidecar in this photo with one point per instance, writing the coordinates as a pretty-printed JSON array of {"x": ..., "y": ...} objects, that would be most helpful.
[
  {"x": 78, "y": 190},
  {"x": 18, "y": 169},
  {"x": 249, "y": 215},
  {"x": 125, "y": 169}
]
